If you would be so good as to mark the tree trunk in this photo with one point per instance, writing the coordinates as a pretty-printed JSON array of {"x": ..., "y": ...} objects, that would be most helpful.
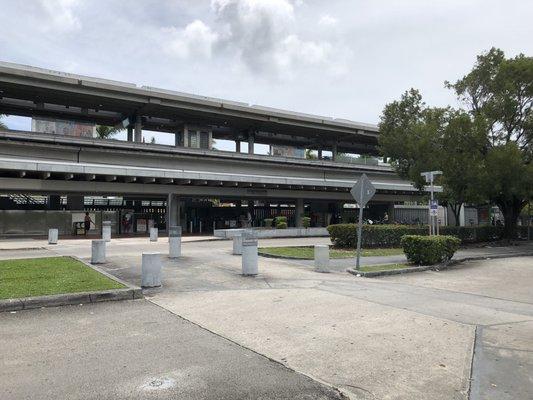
[
  {"x": 456, "y": 210},
  {"x": 511, "y": 210}
]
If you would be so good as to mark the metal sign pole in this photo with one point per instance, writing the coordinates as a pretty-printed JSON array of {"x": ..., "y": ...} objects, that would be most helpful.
[{"x": 359, "y": 230}]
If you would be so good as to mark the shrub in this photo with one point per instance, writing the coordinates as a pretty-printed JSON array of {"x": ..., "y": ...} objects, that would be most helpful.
[
  {"x": 281, "y": 225},
  {"x": 281, "y": 219},
  {"x": 345, "y": 235},
  {"x": 306, "y": 222},
  {"x": 268, "y": 222},
  {"x": 428, "y": 250}
]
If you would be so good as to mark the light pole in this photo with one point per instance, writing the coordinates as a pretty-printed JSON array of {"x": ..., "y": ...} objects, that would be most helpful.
[{"x": 433, "y": 206}]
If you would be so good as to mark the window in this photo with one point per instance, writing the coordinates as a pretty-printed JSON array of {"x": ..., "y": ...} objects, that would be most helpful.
[{"x": 204, "y": 140}]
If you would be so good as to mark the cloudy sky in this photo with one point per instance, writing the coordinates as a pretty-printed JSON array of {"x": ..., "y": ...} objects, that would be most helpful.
[{"x": 341, "y": 58}]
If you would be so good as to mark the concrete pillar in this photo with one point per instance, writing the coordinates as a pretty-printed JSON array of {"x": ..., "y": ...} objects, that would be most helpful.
[
  {"x": 237, "y": 244},
  {"x": 75, "y": 203},
  {"x": 151, "y": 270},
  {"x": 98, "y": 251},
  {"x": 54, "y": 202},
  {"x": 178, "y": 139},
  {"x": 320, "y": 154},
  {"x": 249, "y": 254},
  {"x": 334, "y": 152},
  {"x": 321, "y": 258},
  {"x": 138, "y": 129},
  {"x": 130, "y": 133},
  {"x": 237, "y": 146},
  {"x": 53, "y": 234},
  {"x": 106, "y": 231},
  {"x": 251, "y": 141},
  {"x": 299, "y": 212},
  {"x": 174, "y": 242},
  {"x": 153, "y": 234},
  {"x": 173, "y": 210}
]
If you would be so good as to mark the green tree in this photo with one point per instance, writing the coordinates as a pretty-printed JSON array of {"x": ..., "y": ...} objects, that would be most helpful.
[
  {"x": 500, "y": 91},
  {"x": 418, "y": 138},
  {"x": 106, "y": 132},
  {"x": 310, "y": 154}
]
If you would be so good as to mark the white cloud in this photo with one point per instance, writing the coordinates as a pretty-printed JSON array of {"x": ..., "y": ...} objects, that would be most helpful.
[
  {"x": 61, "y": 15},
  {"x": 196, "y": 40},
  {"x": 327, "y": 21}
]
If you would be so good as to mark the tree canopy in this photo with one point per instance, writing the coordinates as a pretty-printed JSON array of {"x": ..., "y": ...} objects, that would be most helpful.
[{"x": 485, "y": 151}]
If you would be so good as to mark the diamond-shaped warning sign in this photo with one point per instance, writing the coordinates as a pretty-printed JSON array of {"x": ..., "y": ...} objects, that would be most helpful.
[{"x": 363, "y": 190}]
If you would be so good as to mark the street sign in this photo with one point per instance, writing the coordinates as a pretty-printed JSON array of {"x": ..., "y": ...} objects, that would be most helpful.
[{"x": 363, "y": 190}]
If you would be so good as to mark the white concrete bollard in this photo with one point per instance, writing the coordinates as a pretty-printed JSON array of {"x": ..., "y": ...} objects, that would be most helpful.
[
  {"x": 249, "y": 254},
  {"x": 237, "y": 244},
  {"x": 153, "y": 234},
  {"x": 174, "y": 242},
  {"x": 98, "y": 251},
  {"x": 106, "y": 231},
  {"x": 151, "y": 270},
  {"x": 53, "y": 235},
  {"x": 321, "y": 258}
]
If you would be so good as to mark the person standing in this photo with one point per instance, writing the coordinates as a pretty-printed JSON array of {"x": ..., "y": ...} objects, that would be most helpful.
[{"x": 87, "y": 221}]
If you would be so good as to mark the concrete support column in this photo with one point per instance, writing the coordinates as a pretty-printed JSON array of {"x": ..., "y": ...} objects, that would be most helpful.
[
  {"x": 151, "y": 270},
  {"x": 237, "y": 146},
  {"x": 130, "y": 133},
  {"x": 173, "y": 210},
  {"x": 75, "y": 203},
  {"x": 299, "y": 212},
  {"x": 334, "y": 152},
  {"x": 98, "y": 251},
  {"x": 320, "y": 154},
  {"x": 251, "y": 141},
  {"x": 138, "y": 129}
]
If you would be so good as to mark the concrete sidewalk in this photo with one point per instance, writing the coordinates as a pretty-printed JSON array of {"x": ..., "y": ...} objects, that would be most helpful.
[
  {"x": 402, "y": 337},
  {"x": 134, "y": 350}
]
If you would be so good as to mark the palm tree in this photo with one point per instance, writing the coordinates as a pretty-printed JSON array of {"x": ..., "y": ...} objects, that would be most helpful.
[
  {"x": 105, "y": 132},
  {"x": 2, "y": 125},
  {"x": 310, "y": 155}
]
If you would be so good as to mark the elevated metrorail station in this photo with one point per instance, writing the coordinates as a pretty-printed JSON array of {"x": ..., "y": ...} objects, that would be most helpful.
[{"x": 62, "y": 169}]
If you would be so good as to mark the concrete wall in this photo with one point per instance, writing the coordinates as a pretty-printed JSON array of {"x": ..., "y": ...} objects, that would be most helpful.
[{"x": 275, "y": 233}]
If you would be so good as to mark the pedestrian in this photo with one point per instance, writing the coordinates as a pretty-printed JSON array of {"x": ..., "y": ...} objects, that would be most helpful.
[
  {"x": 386, "y": 218},
  {"x": 87, "y": 222}
]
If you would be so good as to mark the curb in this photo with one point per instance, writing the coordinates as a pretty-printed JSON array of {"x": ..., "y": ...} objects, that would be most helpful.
[
  {"x": 130, "y": 292},
  {"x": 436, "y": 267}
]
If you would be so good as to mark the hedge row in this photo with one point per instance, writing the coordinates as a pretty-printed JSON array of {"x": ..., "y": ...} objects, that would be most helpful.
[
  {"x": 345, "y": 235},
  {"x": 429, "y": 250}
]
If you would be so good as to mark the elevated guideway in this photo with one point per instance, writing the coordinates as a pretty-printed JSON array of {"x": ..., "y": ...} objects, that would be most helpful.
[{"x": 42, "y": 163}]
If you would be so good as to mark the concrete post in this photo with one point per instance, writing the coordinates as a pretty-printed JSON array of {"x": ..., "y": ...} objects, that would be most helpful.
[
  {"x": 138, "y": 129},
  {"x": 334, "y": 152},
  {"x": 153, "y": 234},
  {"x": 251, "y": 141},
  {"x": 237, "y": 244},
  {"x": 174, "y": 242},
  {"x": 53, "y": 234},
  {"x": 299, "y": 212},
  {"x": 249, "y": 254},
  {"x": 151, "y": 270},
  {"x": 130, "y": 133},
  {"x": 98, "y": 251},
  {"x": 106, "y": 231},
  {"x": 321, "y": 258},
  {"x": 172, "y": 210}
]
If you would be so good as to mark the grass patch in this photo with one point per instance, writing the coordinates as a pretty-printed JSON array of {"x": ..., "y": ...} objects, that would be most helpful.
[
  {"x": 46, "y": 276},
  {"x": 387, "y": 267},
  {"x": 307, "y": 252}
]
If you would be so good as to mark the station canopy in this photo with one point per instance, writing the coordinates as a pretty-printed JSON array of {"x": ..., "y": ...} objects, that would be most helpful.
[{"x": 36, "y": 92}]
